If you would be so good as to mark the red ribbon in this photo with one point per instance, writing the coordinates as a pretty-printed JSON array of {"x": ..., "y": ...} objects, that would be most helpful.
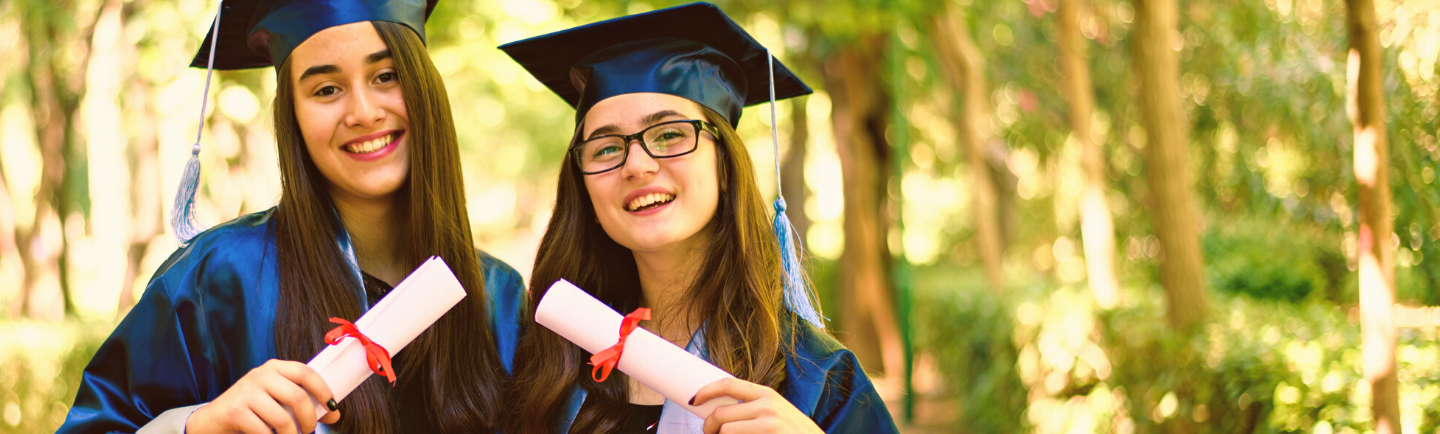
[
  {"x": 375, "y": 354},
  {"x": 604, "y": 361}
]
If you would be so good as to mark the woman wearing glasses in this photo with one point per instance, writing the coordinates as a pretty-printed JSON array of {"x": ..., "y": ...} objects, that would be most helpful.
[
  {"x": 371, "y": 187},
  {"x": 658, "y": 207}
]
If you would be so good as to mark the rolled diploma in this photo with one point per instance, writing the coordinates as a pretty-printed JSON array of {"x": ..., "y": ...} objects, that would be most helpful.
[
  {"x": 658, "y": 364},
  {"x": 413, "y": 306}
]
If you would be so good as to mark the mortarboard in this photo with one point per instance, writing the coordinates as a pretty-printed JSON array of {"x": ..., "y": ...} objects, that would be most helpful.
[
  {"x": 693, "y": 51},
  {"x": 259, "y": 33}
]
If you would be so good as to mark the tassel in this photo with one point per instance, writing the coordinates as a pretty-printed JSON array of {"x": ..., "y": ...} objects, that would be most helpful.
[
  {"x": 182, "y": 216},
  {"x": 797, "y": 287}
]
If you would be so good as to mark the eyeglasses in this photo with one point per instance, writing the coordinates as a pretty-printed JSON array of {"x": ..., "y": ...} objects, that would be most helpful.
[{"x": 663, "y": 140}]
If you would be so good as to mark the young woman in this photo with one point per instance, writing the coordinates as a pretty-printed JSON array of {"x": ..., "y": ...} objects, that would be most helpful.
[
  {"x": 371, "y": 187},
  {"x": 658, "y": 207}
]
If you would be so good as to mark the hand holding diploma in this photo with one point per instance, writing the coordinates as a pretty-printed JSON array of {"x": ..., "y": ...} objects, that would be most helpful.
[
  {"x": 654, "y": 362},
  {"x": 262, "y": 400}
]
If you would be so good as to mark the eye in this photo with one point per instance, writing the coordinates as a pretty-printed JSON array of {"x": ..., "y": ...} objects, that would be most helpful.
[
  {"x": 605, "y": 151},
  {"x": 327, "y": 91},
  {"x": 387, "y": 77}
]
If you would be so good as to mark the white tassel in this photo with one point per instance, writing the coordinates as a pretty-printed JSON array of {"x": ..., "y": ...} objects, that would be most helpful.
[{"x": 182, "y": 216}]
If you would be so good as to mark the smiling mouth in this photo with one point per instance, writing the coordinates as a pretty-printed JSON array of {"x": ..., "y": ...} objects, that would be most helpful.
[
  {"x": 649, "y": 201},
  {"x": 371, "y": 145}
]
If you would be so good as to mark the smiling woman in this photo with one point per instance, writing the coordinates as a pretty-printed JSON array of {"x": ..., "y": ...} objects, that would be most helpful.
[{"x": 370, "y": 187}]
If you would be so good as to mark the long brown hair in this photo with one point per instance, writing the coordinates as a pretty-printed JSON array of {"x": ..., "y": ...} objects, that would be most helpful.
[
  {"x": 737, "y": 295},
  {"x": 453, "y": 365}
]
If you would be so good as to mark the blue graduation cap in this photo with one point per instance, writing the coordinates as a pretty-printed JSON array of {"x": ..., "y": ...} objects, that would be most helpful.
[
  {"x": 693, "y": 51},
  {"x": 258, "y": 33}
]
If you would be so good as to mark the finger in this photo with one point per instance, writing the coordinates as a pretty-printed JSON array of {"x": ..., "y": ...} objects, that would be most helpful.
[
  {"x": 732, "y": 387},
  {"x": 247, "y": 422},
  {"x": 291, "y": 395},
  {"x": 756, "y": 426},
  {"x": 303, "y": 375},
  {"x": 331, "y": 418},
  {"x": 273, "y": 414},
  {"x": 728, "y": 414}
]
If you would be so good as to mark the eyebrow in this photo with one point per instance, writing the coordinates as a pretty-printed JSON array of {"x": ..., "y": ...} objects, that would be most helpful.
[
  {"x": 647, "y": 120},
  {"x": 377, "y": 56},
  {"x": 318, "y": 70},
  {"x": 331, "y": 69}
]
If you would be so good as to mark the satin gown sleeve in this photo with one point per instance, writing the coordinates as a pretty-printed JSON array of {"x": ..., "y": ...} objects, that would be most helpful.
[
  {"x": 826, "y": 382},
  {"x": 206, "y": 318},
  {"x": 507, "y": 302}
]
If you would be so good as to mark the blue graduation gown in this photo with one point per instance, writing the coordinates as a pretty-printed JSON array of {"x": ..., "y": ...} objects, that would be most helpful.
[
  {"x": 823, "y": 380},
  {"x": 208, "y": 317}
]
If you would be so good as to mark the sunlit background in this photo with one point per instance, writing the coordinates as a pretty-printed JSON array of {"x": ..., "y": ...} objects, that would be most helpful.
[{"x": 98, "y": 113}]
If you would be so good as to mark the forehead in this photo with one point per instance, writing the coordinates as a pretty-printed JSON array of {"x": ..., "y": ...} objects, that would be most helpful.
[
  {"x": 339, "y": 45},
  {"x": 629, "y": 110}
]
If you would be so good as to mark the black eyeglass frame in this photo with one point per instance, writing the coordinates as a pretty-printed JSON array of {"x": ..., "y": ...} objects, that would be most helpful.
[{"x": 640, "y": 136}]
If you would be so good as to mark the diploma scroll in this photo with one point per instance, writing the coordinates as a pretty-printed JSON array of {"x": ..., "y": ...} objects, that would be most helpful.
[
  {"x": 654, "y": 362},
  {"x": 413, "y": 306}
]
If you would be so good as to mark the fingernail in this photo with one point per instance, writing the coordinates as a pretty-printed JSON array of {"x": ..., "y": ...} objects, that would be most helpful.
[
  {"x": 692, "y": 401},
  {"x": 332, "y": 405}
]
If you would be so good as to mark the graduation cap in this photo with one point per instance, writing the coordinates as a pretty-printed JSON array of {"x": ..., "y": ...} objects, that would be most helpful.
[
  {"x": 693, "y": 51},
  {"x": 258, "y": 33}
]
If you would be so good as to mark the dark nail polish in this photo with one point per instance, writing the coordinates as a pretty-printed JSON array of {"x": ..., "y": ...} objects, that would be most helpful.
[
  {"x": 332, "y": 405},
  {"x": 692, "y": 401}
]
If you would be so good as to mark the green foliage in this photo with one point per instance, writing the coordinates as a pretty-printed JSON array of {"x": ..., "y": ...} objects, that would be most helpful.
[
  {"x": 968, "y": 330},
  {"x": 40, "y": 366},
  {"x": 1041, "y": 357},
  {"x": 1270, "y": 260}
]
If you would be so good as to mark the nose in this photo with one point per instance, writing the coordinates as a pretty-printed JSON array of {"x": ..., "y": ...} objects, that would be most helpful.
[
  {"x": 363, "y": 110},
  {"x": 638, "y": 163}
]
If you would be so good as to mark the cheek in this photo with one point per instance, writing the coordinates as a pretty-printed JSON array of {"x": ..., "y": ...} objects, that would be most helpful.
[
  {"x": 394, "y": 102},
  {"x": 316, "y": 124}
]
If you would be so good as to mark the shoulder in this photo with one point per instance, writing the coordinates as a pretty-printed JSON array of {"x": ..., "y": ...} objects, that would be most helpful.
[
  {"x": 505, "y": 292},
  {"x": 826, "y": 381},
  {"x": 243, "y": 245},
  {"x": 502, "y": 282}
]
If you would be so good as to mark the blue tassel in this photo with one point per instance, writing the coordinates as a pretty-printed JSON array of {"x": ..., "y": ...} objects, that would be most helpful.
[
  {"x": 182, "y": 216},
  {"x": 797, "y": 287}
]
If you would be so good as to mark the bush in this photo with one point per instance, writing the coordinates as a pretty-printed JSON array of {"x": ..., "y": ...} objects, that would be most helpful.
[
  {"x": 1042, "y": 358},
  {"x": 968, "y": 330},
  {"x": 1274, "y": 261}
]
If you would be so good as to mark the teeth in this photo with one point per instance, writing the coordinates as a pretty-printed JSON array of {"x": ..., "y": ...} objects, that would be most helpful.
[
  {"x": 647, "y": 200},
  {"x": 370, "y": 146}
]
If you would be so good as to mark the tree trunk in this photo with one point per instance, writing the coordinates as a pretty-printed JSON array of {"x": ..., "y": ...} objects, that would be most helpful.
[
  {"x": 964, "y": 70},
  {"x": 1372, "y": 178},
  {"x": 1171, "y": 211},
  {"x": 145, "y": 195},
  {"x": 859, "y": 113},
  {"x": 1097, "y": 230},
  {"x": 792, "y": 171}
]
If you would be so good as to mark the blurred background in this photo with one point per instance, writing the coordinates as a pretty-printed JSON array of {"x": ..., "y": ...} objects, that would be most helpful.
[{"x": 1023, "y": 215}]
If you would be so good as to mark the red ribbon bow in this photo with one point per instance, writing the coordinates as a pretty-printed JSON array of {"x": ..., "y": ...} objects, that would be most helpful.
[
  {"x": 604, "y": 361},
  {"x": 375, "y": 354}
]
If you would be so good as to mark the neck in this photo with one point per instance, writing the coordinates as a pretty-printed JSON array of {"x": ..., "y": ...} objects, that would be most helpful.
[
  {"x": 665, "y": 278},
  {"x": 375, "y": 228}
]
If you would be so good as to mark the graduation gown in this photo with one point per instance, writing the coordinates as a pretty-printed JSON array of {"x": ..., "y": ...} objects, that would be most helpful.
[
  {"x": 207, "y": 318},
  {"x": 823, "y": 380}
]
